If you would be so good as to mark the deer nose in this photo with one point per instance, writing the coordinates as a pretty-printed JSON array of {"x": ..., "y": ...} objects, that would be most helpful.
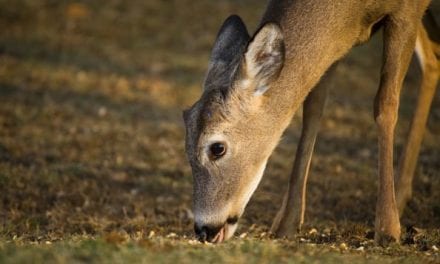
[{"x": 206, "y": 233}]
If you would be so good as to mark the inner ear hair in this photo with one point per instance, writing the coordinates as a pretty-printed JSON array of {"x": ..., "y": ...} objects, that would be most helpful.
[{"x": 264, "y": 57}]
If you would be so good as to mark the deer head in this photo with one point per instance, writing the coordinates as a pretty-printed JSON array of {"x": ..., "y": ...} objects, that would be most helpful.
[{"x": 231, "y": 130}]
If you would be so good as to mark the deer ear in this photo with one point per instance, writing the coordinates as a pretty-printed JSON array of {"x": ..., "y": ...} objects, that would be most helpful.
[
  {"x": 231, "y": 39},
  {"x": 264, "y": 57},
  {"x": 185, "y": 115},
  {"x": 226, "y": 54}
]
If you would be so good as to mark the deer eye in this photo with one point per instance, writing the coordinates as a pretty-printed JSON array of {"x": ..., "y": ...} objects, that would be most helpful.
[{"x": 217, "y": 150}]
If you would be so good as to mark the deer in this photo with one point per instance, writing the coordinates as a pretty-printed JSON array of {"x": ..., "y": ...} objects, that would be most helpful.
[{"x": 255, "y": 84}]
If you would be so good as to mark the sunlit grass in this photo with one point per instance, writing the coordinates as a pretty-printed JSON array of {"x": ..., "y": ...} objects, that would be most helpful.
[{"x": 92, "y": 162}]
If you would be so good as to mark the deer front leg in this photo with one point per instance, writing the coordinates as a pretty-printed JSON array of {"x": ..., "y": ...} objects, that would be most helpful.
[
  {"x": 408, "y": 161},
  {"x": 290, "y": 217},
  {"x": 399, "y": 41}
]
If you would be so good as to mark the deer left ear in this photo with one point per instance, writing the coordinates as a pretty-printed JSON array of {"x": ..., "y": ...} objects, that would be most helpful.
[
  {"x": 264, "y": 57},
  {"x": 185, "y": 115}
]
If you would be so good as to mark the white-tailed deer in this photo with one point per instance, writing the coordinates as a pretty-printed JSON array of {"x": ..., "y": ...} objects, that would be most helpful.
[{"x": 255, "y": 84}]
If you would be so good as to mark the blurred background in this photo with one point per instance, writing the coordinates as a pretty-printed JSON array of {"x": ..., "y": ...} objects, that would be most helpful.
[{"x": 91, "y": 135}]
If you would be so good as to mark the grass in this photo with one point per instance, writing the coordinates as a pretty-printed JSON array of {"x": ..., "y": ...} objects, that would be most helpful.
[
  {"x": 171, "y": 250},
  {"x": 92, "y": 166}
]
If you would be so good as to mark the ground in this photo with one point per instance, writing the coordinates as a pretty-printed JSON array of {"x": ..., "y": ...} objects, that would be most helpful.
[{"x": 92, "y": 165}]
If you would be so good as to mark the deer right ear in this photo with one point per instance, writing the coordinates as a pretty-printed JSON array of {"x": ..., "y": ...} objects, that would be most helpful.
[
  {"x": 264, "y": 57},
  {"x": 226, "y": 54}
]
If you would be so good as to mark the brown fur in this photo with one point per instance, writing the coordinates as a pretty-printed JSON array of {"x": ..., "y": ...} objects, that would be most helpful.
[{"x": 268, "y": 77}]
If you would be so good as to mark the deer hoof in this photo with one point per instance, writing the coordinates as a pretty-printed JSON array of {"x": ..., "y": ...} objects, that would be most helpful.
[{"x": 385, "y": 240}]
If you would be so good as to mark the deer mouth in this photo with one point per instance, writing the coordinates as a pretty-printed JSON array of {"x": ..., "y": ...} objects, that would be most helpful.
[
  {"x": 220, "y": 237},
  {"x": 217, "y": 234},
  {"x": 226, "y": 232}
]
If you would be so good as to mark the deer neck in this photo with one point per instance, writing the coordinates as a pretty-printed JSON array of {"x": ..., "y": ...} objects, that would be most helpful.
[{"x": 312, "y": 45}]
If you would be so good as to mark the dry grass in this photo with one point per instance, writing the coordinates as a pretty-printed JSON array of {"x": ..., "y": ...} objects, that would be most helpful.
[{"x": 91, "y": 142}]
